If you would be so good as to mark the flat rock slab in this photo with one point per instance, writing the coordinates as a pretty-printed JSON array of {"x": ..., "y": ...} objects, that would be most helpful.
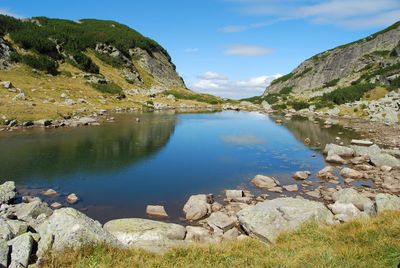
[
  {"x": 156, "y": 211},
  {"x": 362, "y": 142},
  {"x": 221, "y": 221},
  {"x": 268, "y": 219},
  {"x": 135, "y": 232}
]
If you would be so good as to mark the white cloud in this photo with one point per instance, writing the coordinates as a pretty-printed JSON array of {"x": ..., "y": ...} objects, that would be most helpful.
[
  {"x": 4, "y": 11},
  {"x": 191, "y": 50},
  {"x": 345, "y": 13},
  {"x": 220, "y": 85},
  {"x": 247, "y": 50}
]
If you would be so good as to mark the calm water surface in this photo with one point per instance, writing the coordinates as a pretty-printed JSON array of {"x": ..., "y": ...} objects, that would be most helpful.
[{"x": 118, "y": 168}]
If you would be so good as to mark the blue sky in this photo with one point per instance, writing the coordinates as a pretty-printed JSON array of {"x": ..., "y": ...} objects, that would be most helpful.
[{"x": 231, "y": 48}]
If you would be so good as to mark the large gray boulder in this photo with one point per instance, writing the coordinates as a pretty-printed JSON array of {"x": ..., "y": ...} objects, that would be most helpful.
[
  {"x": 363, "y": 150},
  {"x": 7, "y": 192},
  {"x": 147, "y": 234},
  {"x": 21, "y": 249},
  {"x": 73, "y": 229},
  {"x": 29, "y": 211},
  {"x": 383, "y": 159},
  {"x": 343, "y": 151},
  {"x": 6, "y": 232},
  {"x": 351, "y": 196},
  {"x": 268, "y": 219},
  {"x": 387, "y": 202},
  {"x": 4, "y": 251},
  {"x": 196, "y": 207}
]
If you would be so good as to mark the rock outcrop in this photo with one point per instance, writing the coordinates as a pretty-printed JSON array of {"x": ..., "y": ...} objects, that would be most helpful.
[{"x": 342, "y": 64}]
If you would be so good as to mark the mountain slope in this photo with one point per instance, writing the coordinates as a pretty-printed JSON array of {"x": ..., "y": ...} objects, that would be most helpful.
[
  {"x": 353, "y": 63},
  {"x": 52, "y": 68}
]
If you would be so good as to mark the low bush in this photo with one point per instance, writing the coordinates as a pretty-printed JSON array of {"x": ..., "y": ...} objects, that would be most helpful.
[
  {"x": 281, "y": 106},
  {"x": 84, "y": 63},
  {"x": 286, "y": 90},
  {"x": 113, "y": 61},
  {"x": 299, "y": 105},
  {"x": 109, "y": 88},
  {"x": 347, "y": 94},
  {"x": 40, "y": 62},
  {"x": 184, "y": 94},
  {"x": 331, "y": 83}
]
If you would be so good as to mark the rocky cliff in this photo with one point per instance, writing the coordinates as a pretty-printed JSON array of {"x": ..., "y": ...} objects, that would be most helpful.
[{"x": 345, "y": 64}]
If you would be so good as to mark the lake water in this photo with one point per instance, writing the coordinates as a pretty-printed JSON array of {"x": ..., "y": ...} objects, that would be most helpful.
[{"x": 119, "y": 168}]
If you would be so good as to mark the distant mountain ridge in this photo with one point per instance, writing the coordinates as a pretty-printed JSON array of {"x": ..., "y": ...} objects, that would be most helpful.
[{"x": 359, "y": 61}]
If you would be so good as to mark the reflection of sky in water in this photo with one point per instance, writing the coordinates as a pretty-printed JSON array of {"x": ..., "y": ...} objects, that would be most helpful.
[{"x": 119, "y": 168}]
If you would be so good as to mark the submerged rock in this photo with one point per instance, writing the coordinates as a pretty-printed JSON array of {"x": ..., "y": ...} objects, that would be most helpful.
[
  {"x": 351, "y": 173},
  {"x": 265, "y": 182},
  {"x": 156, "y": 211},
  {"x": 268, "y": 219},
  {"x": 301, "y": 175}
]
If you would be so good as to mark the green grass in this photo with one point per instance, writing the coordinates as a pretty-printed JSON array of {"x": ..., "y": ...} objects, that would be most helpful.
[
  {"x": 109, "y": 88},
  {"x": 184, "y": 94},
  {"x": 360, "y": 243}
]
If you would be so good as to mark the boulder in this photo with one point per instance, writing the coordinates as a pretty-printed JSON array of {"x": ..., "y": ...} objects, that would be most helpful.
[
  {"x": 268, "y": 219},
  {"x": 43, "y": 122},
  {"x": 351, "y": 196},
  {"x": 6, "y": 233},
  {"x": 156, "y": 211},
  {"x": 144, "y": 233},
  {"x": 73, "y": 229},
  {"x": 231, "y": 234},
  {"x": 232, "y": 194},
  {"x": 326, "y": 173},
  {"x": 26, "y": 211},
  {"x": 72, "y": 198},
  {"x": 56, "y": 205},
  {"x": 4, "y": 251},
  {"x": 198, "y": 234},
  {"x": 301, "y": 175},
  {"x": 7, "y": 192},
  {"x": 392, "y": 184},
  {"x": 384, "y": 159},
  {"x": 351, "y": 173},
  {"x": 49, "y": 192},
  {"x": 221, "y": 221},
  {"x": 363, "y": 150},
  {"x": 360, "y": 160},
  {"x": 343, "y": 151},
  {"x": 196, "y": 207},
  {"x": 291, "y": 188},
  {"x": 344, "y": 212},
  {"x": 387, "y": 202},
  {"x": 21, "y": 249},
  {"x": 264, "y": 182},
  {"x": 18, "y": 227},
  {"x": 336, "y": 159}
]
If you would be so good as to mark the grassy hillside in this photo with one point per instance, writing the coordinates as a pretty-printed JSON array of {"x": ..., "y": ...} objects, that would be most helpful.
[{"x": 360, "y": 243}]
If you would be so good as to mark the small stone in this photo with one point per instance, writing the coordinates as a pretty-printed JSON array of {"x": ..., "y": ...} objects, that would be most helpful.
[
  {"x": 301, "y": 175},
  {"x": 291, "y": 188},
  {"x": 49, "y": 192},
  {"x": 231, "y": 194},
  {"x": 362, "y": 142},
  {"x": 156, "y": 211},
  {"x": 351, "y": 173},
  {"x": 334, "y": 158},
  {"x": 55, "y": 205},
  {"x": 72, "y": 198}
]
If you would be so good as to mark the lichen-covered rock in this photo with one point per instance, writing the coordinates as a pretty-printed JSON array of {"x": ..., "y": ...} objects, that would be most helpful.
[
  {"x": 73, "y": 229},
  {"x": 221, "y": 221},
  {"x": 6, "y": 232},
  {"x": 142, "y": 233},
  {"x": 344, "y": 212},
  {"x": 198, "y": 234},
  {"x": 384, "y": 159},
  {"x": 387, "y": 202},
  {"x": 21, "y": 248},
  {"x": 268, "y": 219},
  {"x": 32, "y": 210},
  {"x": 349, "y": 195},
  {"x": 7, "y": 192},
  {"x": 4, "y": 251}
]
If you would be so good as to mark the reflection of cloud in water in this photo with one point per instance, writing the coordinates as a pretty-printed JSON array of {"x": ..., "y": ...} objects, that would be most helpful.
[{"x": 243, "y": 139}]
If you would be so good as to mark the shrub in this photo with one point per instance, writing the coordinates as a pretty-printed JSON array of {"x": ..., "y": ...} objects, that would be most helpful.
[
  {"x": 332, "y": 83},
  {"x": 109, "y": 88},
  {"x": 281, "y": 106},
  {"x": 286, "y": 90},
  {"x": 299, "y": 105},
  {"x": 189, "y": 95},
  {"x": 113, "y": 61},
  {"x": 282, "y": 78},
  {"x": 347, "y": 94},
  {"x": 40, "y": 62},
  {"x": 84, "y": 63}
]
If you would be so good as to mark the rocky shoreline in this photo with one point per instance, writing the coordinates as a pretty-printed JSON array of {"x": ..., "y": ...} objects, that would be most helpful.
[{"x": 30, "y": 228}]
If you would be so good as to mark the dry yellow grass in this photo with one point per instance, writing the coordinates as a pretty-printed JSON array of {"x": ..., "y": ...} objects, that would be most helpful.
[
  {"x": 360, "y": 243},
  {"x": 376, "y": 93}
]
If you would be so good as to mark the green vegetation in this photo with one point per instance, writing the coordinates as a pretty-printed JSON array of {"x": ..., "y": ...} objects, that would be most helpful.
[
  {"x": 361, "y": 243},
  {"x": 331, "y": 83},
  {"x": 109, "y": 88},
  {"x": 43, "y": 35},
  {"x": 286, "y": 90},
  {"x": 346, "y": 94},
  {"x": 184, "y": 94},
  {"x": 84, "y": 63},
  {"x": 115, "y": 62},
  {"x": 299, "y": 105},
  {"x": 280, "y": 106},
  {"x": 282, "y": 78},
  {"x": 39, "y": 62}
]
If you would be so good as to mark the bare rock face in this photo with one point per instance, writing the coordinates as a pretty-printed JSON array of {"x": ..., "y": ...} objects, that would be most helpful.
[
  {"x": 5, "y": 53},
  {"x": 159, "y": 66},
  {"x": 339, "y": 63}
]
